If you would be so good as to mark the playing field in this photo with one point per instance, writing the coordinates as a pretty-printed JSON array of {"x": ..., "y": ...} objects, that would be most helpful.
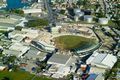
[
  {"x": 69, "y": 42},
  {"x": 20, "y": 75}
]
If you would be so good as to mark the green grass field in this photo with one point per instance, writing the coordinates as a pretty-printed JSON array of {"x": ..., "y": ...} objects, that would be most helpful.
[
  {"x": 69, "y": 42},
  {"x": 20, "y": 75}
]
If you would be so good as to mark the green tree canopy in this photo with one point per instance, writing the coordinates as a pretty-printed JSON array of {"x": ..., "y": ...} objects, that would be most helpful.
[
  {"x": 38, "y": 23},
  {"x": 17, "y": 11},
  {"x": 62, "y": 11}
]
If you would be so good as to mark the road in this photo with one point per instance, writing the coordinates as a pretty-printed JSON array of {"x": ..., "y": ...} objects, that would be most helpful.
[{"x": 50, "y": 12}]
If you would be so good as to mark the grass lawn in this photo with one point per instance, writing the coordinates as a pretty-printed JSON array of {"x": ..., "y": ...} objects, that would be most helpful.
[
  {"x": 20, "y": 75},
  {"x": 69, "y": 42}
]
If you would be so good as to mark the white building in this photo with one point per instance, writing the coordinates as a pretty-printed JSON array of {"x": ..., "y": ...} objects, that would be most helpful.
[
  {"x": 7, "y": 27},
  {"x": 12, "y": 52},
  {"x": 103, "y": 21},
  {"x": 59, "y": 59},
  {"x": 31, "y": 33},
  {"x": 22, "y": 23},
  {"x": 77, "y": 10},
  {"x": 102, "y": 60},
  {"x": 88, "y": 18},
  {"x": 19, "y": 47},
  {"x": 55, "y": 30},
  {"x": 62, "y": 65},
  {"x": 43, "y": 46},
  {"x": 34, "y": 53},
  {"x": 76, "y": 18},
  {"x": 25, "y": 32},
  {"x": 80, "y": 14},
  {"x": 27, "y": 11},
  {"x": 40, "y": 1}
]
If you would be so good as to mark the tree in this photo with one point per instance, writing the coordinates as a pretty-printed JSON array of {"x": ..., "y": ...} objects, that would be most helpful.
[
  {"x": 79, "y": 2},
  {"x": 100, "y": 14},
  {"x": 62, "y": 11},
  {"x": 15, "y": 67},
  {"x": 97, "y": 5},
  {"x": 69, "y": 77},
  {"x": 6, "y": 78},
  {"x": 116, "y": 16},
  {"x": 38, "y": 69},
  {"x": 18, "y": 28},
  {"x": 40, "y": 65},
  {"x": 9, "y": 59},
  {"x": 106, "y": 74},
  {"x": 86, "y": 4},
  {"x": 17, "y": 11},
  {"x": 1, "y": 55},
  {"x": 38, "y": 23}
]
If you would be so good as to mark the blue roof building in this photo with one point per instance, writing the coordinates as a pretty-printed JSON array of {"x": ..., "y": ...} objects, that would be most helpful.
[{"x": 92, "y": 77}]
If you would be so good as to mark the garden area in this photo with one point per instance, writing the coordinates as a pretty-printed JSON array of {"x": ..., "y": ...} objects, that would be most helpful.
[
  {"x": 37, "y": 23},
  {"x": 69, "y": 42},
  {"x": 20, "y": 75}
]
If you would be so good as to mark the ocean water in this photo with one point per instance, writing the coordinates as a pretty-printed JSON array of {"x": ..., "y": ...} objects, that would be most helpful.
[{"x": 15, "y": 4}]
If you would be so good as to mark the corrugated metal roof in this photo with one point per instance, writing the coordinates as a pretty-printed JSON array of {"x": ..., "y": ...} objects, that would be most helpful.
[{"x": 59, "y": 59}]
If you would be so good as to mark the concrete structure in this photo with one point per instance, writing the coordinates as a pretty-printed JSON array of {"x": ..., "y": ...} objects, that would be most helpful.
[
  {"x": 102, "y": 60},
  {"x": 34, "y": 53},
  {"x": 40, "y": 1},
  {"x": 62, "y": 65},
  {"x": 77, "y": 10},
  {"x": 30, "y": 32},
  {"x": 15, "y": 17},
  {"x": 61, "y": 72},
  {"x": 43, "y": 46},
  {"x": 19, "y": 47},
  {"x": 88, "y": 18},
  {"x": 59, "y": 59},
  {"x": 55, "y": 30},
  {"x": 25, "y": 32},
  {"x": 63, "y": 1},
  {"x": 76, "y": 18},
  {"x": 17, "y": 39},
  {"x": 27, "y": 11},
  {"x": 16, "y": 33},
  {"x": 6, "y": 27},
  {"x": 8, "y": 22},
  {"x": 80, "y": 14},
  {"x": 103, "y": 21},
  {"x": 12, "y": 52}
]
